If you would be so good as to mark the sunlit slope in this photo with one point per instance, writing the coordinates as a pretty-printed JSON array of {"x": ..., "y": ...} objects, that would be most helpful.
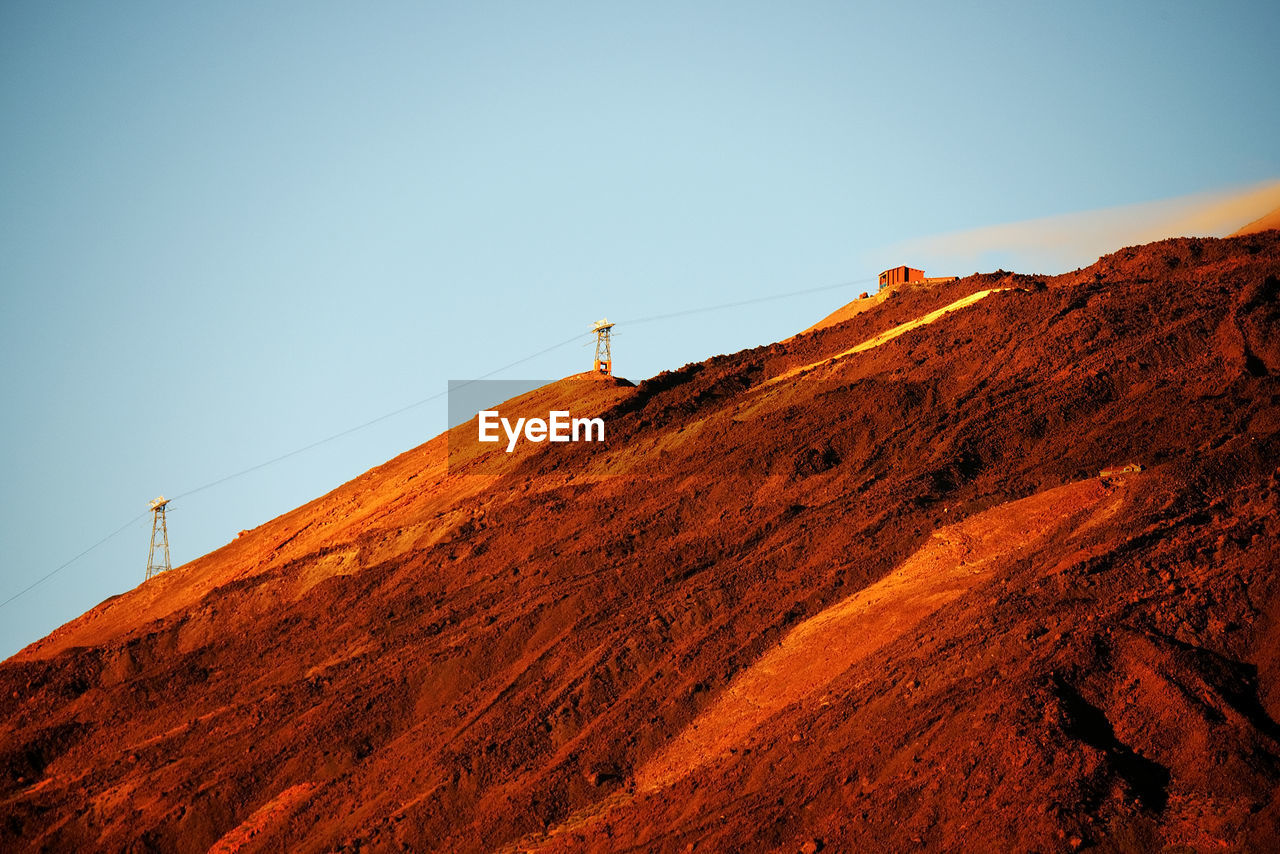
[
  {"x": 406, "y": 504},
  {"x": 887, "y": 335},
  {"x": 954, "y": 561},
  {"x": 509, "y": 653},
  {"x": 850, "y": 310},
  {"x": 1263, "y": 223}
]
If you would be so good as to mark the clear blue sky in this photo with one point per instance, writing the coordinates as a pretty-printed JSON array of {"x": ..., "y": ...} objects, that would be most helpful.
[{"x": 231, "y": 229}]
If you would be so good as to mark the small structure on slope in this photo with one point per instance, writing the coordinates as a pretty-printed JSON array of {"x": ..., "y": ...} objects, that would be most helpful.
[
  {"x": 604, "y": 357},
  {"x": 899, "y": 275},
  {"x": 158, "y": 555},
  {"x": 1117, "y": 471}
]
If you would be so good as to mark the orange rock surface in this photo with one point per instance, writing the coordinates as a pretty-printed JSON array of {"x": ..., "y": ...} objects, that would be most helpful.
[{"x": 885, "y": 603}]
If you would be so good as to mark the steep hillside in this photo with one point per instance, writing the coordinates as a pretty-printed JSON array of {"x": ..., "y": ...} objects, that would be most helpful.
[
  {"x": 860, "y": 590},
  {"x": 849, "y": 311}
]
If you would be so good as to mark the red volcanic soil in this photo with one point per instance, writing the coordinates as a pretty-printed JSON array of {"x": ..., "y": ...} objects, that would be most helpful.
[
  {"x": 849, "y": 311},
  {"x": 853, "y": 591}
]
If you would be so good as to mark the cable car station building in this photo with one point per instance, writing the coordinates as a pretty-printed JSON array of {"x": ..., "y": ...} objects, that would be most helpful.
[{"x": 903, "y": 274}]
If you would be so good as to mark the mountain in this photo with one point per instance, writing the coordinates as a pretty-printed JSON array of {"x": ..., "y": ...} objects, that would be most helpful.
[
  {"x": 865, "y": 589},
  {"x": 1265, "y": 222}
]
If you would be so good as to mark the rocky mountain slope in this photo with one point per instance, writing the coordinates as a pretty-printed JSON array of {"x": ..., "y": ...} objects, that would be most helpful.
[{"x": 860, "y": 590}]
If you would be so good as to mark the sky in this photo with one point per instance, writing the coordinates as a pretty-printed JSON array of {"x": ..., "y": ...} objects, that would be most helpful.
[{"x": 231, "y": 230}]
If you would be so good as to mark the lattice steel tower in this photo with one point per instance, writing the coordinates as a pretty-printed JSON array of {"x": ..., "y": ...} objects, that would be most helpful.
[
  {"x": 158, "y": 556},
  {"x": 604, "y": 359}
]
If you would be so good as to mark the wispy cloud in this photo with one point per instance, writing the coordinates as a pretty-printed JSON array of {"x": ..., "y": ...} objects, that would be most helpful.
[{"x": 1058, "y": 243}]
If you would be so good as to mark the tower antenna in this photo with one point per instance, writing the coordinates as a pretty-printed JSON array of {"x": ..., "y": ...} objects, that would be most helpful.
[
  {"x": 158, "y": 556},
  {"x": 604, "y": 358}
]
